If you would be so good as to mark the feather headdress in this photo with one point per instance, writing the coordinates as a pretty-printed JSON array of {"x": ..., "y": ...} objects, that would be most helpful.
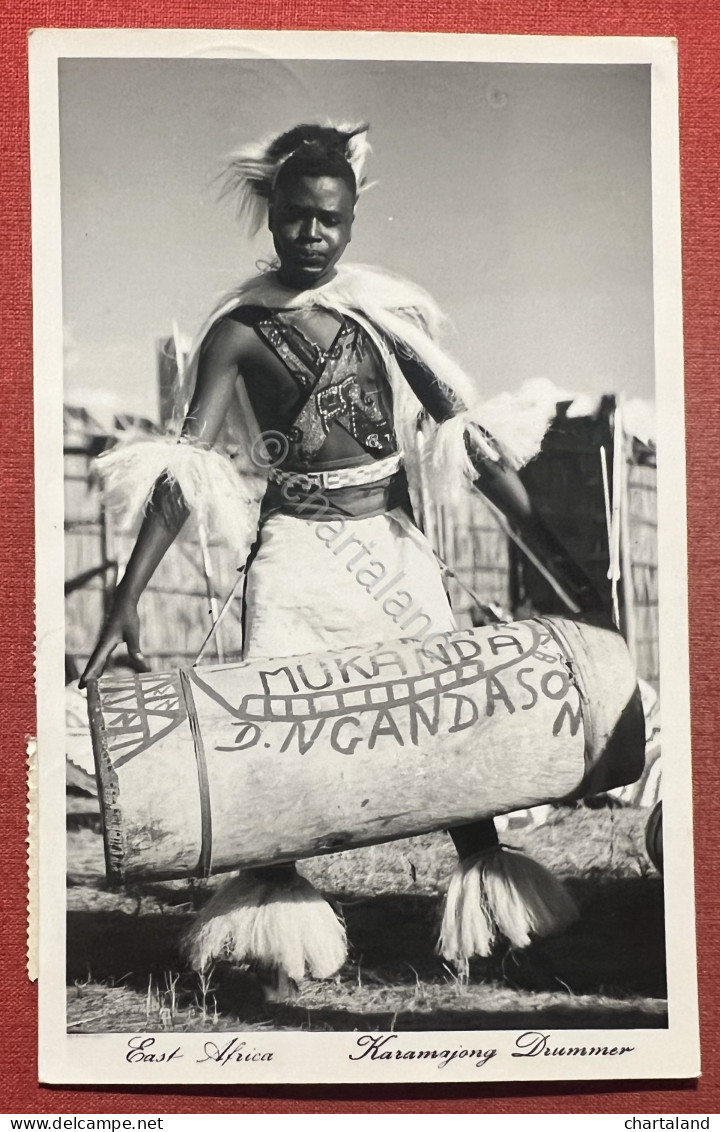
[{"x": 252, "y": 171}]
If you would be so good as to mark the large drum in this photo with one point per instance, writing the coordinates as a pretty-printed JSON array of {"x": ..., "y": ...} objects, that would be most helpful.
[{"x": 211, "y": 768}]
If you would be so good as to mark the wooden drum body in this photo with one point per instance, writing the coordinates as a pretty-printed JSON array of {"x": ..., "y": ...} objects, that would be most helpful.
[{"x": 212, "y": 768}]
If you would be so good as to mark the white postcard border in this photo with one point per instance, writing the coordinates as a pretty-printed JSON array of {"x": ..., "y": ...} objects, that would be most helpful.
[{"x": 318, "y": 1057}]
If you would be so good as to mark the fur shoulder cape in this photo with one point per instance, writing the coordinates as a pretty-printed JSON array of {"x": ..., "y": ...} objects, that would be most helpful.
[{"x": 401, "y": 318}]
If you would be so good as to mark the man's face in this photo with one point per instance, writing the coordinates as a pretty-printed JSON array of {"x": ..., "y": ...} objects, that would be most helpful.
[{"x": 311, "y": 223}]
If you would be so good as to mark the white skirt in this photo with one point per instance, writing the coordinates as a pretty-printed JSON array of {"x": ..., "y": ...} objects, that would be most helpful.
[{"x": 333, "y": 584}]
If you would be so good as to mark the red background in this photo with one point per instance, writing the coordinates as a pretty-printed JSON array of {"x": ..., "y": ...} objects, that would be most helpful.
[{"x": 696, "y": 24}]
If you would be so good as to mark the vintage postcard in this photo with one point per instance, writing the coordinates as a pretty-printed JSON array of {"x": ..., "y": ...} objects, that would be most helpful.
[{"x": 361, "y": 560}]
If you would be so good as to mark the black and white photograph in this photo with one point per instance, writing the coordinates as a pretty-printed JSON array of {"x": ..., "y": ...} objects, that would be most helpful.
[{"x": 363, "y": 686}]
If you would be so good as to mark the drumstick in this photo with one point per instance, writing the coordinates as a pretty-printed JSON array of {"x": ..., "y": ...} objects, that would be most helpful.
[
  {"x": 226, "y": 605},
  {"x": 570, "y": 603},
  {"x": 207, "y": 570}
]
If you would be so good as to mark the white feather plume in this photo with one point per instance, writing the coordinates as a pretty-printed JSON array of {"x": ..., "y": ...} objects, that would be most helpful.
[
  {"x": 278, "y": 925},
  {"x": 248, "y": 179},
  {"x": 225, "y": 502},
  {"x": 520, "y": 419},
  {"x": 357, "y": 149},
  {"x": 518, "y": 422},
  {"x": 501, "y": 893}
]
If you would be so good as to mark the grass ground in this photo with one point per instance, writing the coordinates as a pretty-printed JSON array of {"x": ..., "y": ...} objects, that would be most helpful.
[{"x": 608, "y": 970}]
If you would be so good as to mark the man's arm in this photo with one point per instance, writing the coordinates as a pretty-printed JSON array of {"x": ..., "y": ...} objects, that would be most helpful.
[
  {"x": 218, "y": 367},
  {"x": 496, "y": 477},
  {"x": 501, "y": 484}
]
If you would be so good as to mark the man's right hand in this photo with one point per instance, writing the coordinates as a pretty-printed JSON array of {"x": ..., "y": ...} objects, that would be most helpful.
[{"x": 123, "y": 624}]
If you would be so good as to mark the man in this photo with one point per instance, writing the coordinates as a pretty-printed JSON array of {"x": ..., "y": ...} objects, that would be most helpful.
[{"x": 335, "y": 364}]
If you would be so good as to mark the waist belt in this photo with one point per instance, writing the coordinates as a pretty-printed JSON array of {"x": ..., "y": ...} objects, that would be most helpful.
[{"x": 340, "y": 477}]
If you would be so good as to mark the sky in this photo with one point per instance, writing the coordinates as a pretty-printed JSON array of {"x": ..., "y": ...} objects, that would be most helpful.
[{"x": 519, "y": 195}]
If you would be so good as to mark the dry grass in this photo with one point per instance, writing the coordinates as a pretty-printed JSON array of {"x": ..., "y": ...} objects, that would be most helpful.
[{"x": 124, "y": 973}]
